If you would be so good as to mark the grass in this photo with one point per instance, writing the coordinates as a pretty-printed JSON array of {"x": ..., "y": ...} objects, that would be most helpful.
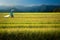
[
  {"x": 30, "y": 26},
  {"x": 30, "y": 34},
  {"x": 30, "y": 20}
]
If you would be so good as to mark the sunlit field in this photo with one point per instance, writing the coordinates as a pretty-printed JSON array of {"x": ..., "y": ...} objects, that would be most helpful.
[
  {"x": 30, "y": 26},
  {"x": 30, "y": 20},
  {"x": 30, "y": 34}
]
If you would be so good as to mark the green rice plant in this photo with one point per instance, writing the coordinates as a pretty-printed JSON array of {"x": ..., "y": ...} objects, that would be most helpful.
[{"x": 30, "y": 35}]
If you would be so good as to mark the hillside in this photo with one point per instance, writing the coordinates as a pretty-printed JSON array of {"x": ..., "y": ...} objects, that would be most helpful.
[{"x": 37, "y": 8}]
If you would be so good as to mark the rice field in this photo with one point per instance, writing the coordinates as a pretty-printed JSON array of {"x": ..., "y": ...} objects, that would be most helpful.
[
  {"x": 30, "y": 34},
  {"x": 30, "y": 26},
  {"x": 30, "y": 20}
]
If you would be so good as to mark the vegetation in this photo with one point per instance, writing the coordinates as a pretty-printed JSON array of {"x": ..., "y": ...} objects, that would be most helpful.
[
  {"x": 30, "y": 26},
  {"x": 30, "y": 20},
  {"x": 29, "y": 34}
]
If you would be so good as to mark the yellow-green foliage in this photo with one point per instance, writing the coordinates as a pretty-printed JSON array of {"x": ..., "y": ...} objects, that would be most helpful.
[
  {"x": 30, "y": 34},
  {"x": 30, "y": 26},
  {"x": 30, "y": 20}
]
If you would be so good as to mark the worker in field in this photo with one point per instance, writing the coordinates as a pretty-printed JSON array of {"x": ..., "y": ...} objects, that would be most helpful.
[{"x": 11, "y": 12}]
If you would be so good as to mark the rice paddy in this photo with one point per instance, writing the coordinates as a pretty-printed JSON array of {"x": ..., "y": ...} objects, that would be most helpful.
[
  {"x": 30, "y": 26},
  {"x": 30, "y": 20}
]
